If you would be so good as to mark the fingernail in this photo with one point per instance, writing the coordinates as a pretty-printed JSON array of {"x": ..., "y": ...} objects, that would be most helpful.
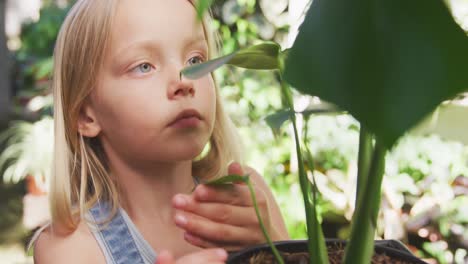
[
  {"x": 221, "y": 253},
  {"x": 180, "y": 219},
  {"x": 179, "y": 201}
]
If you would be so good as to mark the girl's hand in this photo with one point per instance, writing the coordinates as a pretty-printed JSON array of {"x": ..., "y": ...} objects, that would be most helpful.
[
  {"x": 210, "y": 256},
  {"x": 224, "y": 216}
]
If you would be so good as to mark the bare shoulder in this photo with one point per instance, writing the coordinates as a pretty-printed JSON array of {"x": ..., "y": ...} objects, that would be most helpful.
[
  {"x": 78, "y": 246},
  {"x": 256, "y": 178}
]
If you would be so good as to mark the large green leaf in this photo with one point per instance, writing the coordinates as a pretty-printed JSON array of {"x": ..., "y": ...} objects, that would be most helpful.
[
  {"x": 389, "y": 63},
  {"x": 264, "y": 56}
]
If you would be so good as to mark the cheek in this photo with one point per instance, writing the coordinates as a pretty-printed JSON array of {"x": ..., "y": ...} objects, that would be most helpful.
[
  {"x": 126, "y": 111},
  {"x": 209, "y": 98}
]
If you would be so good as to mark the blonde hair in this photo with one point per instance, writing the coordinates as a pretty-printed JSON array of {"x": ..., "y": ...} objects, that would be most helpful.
[{"x": 80, "y": 176}]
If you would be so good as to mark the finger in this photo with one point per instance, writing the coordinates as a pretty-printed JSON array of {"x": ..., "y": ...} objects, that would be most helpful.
[
  {"x": 165, "y": 257},
  {"x": 203, "y": 243},
  {"x": 235, "y": 168},
  {"x": 242, "y": 216},
  {"x": 235, "y": 194},
  {"x": 200, "y": 242},
  {"x": 215, "y": 255},
  {"x": 217, "y": 232}
]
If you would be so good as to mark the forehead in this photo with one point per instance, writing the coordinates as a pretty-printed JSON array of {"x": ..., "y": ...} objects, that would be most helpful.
[{"x": 162, "y": 21}]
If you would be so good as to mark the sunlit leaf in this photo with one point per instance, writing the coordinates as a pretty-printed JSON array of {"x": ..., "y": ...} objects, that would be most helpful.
[
  {"x": 263, "y": 56},
  {"x": 258, "y": 57},
  {"x": 199, "y": 70},
  {"x": 389, "y": 63}
]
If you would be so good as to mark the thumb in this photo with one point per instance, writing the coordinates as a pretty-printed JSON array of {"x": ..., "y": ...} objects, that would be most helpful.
[
  {"x": 235, "y": 168},
  {"x": 165, "y": 257}
]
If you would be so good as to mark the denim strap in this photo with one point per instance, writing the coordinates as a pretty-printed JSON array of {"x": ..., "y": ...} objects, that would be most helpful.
[{"x": 115, "y": 236}]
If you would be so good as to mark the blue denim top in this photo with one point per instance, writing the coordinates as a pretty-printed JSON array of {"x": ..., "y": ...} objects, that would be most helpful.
[{"x": 119, "y": 240}]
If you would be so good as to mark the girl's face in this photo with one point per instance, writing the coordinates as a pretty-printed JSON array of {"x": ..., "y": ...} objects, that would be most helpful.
[{"x": 143, "y": 110}]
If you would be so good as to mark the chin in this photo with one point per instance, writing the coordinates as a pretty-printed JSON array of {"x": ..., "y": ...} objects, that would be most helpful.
[{"x": 187, "y": 152}]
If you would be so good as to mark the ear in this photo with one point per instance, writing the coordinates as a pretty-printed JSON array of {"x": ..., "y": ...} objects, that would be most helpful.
[{"x": 88, "y": 125}]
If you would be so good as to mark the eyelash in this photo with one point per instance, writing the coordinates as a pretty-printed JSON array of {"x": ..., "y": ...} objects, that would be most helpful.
[
  {"x": 134, "y": 69},
  {"x": 201, "y": 57}
]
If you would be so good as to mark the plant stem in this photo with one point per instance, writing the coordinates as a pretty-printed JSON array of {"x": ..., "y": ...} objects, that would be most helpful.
[
  {"x": 319, "y": 245},
  {"x": 364, "y": 159},
  {"x": 262, "y": 226},
  {"x": 360, "y": 248},
  {"x": 315, "y": 239}
]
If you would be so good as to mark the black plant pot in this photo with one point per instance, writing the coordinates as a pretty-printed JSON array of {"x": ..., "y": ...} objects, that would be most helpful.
[{"x": 391, "y": 248}]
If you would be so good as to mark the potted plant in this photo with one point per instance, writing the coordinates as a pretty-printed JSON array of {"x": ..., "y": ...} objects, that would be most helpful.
[{"x": 387, "y": 63}]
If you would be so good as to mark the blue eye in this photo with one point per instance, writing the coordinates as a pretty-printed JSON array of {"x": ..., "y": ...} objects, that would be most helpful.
[
  {"x": 144, "y": 68},
  {"x": 195, "y": 60}
]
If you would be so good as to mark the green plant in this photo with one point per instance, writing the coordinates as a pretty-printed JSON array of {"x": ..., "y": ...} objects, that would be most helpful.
[
  {"x": 38, "y": 37},
  {"x": 33, "y": 61},
  {"x": 28, "y": 151},
  {"x": 420, "y": 211},
  {"x": 349, "y": 56}
]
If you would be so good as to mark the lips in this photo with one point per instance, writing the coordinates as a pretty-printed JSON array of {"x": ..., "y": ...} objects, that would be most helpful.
[{"x": 186, "y": 117}]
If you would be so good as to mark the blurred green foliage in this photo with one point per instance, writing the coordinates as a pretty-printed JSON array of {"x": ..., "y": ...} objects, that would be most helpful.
[
  {"x": 28, "y": 149},
  {"x": 23, "y": 146},
  {"x": 38, "y": 38},
  {"x": 33, "y": 61}
]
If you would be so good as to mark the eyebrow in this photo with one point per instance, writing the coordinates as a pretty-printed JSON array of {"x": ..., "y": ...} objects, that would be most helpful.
[
  {"x": 197, "y": 39},
  {"x": 148, "y": 45}
]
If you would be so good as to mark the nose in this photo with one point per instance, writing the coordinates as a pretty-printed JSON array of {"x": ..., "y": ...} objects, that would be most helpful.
[{"x": 179, "y": 87}]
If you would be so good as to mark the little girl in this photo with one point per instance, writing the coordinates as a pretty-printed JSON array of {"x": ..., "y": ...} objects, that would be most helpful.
[{"x": 129, "y": 134}]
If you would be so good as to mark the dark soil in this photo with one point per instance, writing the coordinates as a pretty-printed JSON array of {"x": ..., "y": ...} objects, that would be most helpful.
[{"x": 335, "y": 252}]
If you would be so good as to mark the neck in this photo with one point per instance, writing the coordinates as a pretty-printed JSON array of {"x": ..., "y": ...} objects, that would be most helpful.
[{"x": 147, "y": 192}]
